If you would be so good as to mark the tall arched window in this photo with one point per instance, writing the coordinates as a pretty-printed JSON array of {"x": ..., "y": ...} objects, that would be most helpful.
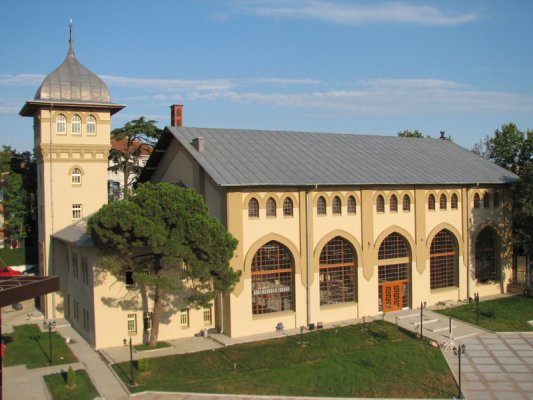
[
  {"x": 486, "y": 256},
  {"x": 338, "y": 272},
  {"x": 336, "y": 207},
  {"x": 61, "y": 124},
  {"x": 321, "y": 206},
  {"x": 287, "y": 207},
  {"x": 271, "y": 207},
  {"x": 443, "y": 202},
  {"x": 380, "y": 204},
  {"x": 393, "y": 203},
  {"x": 75, "y": 176},
  {"x": 431, "y": 202},
  {"x": 253, "y": 208},
  {"x": 486, "y": 200},
  {"x": 454, "y": 202},
  {"x": 406, "y": 203},
  {"x": 76, "y": 125},
  {"x": 394, "y": 263},
  {"x": 91, "y": 125},
  {"x": 476, "y": 200},
  {"x": 351, "y": 206},
  {"x": 443, "y": 261},
  {"x": 272, "y": 279}
]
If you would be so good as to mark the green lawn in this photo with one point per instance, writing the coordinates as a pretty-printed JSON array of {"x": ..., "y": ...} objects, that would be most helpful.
[
  {"x": 379, "y": 361},
  {"x": 27, "y": 345},
  {"x": 83, "y": 390},
  {"x": 508, "y": 314}
]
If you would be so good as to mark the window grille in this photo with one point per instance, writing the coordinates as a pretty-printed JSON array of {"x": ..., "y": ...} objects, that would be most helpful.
[
  {"x": 76, "y": 125},
  {"x": 207, "y": 316},
  {"x": 336, "y": 206},
  {"x": 351, "y": 205},
  {"x": 271, "y": 207},
  {"x": 406, "y": 203},
  {"x": 61, "y": 125},
  {"x": 431, "y": 202},
  {"x": 338, "y": 272},
  {"x": 253, "y": 208},
  {"x": 147, "y": 320},
  {"x": 443, "y": 202},
  {"x": 321, "y": 206},
  {"x": 76, "y": 176},
  {"x": 76, "y": 211},
  {"x": 393, "y": 204},
  {"x": 443, "y": 261},
  {"x": 454, "y": 202},
  {"x": 394, "y": 246},
  {"x": 272, "y": 279},
  {"x": 485, "y": 256},
  {"x": 287, "y": 207},
  {"x": 380, "y": 204},
  {"x": 476, "y": 200},
  {"x": 184, "y": 318},
  {"x": 132, "y": 324},
  {"x": 91, "y": 125}
]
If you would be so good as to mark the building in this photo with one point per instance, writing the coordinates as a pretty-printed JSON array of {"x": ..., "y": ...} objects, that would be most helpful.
[{"x": 330, "y": 227}]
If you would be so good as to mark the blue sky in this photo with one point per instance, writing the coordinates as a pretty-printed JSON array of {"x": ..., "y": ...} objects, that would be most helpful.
[{"x": 367, "y": 67}]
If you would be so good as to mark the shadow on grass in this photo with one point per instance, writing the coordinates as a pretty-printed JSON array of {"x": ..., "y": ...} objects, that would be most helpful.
[{"x": 37, "y": 339}]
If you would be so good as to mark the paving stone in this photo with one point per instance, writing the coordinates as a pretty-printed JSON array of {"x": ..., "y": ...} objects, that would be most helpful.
[
  {"x": 521, "y": 347},
  {"x": 528, "y": 353},
  {"x": 478, "y": 395},
  {"x": 475, "y": 347},
  {"x": 466, "y": 368},
  {"x": 522, "y": 377},
  {"x": 508, "y": 395},
  {"x": 528, "y": 360},
  {"x": 526, "y": 386},
  {"x": 495, "y": 377},
  {"x": 516, "y": 368},
  {"x": 509, "y": 360},
  {"x": 488, "y": 368},
  {"x": 478, "y": 353},
  {"x": 468, "y": 386},
  {"x": 499, "y": 347},
  {"x": 503, "y": 353},
  {"x": 501, "y": 386},
  {"x": 483, "y": 360},
  {"x": 470, "y": 376}
]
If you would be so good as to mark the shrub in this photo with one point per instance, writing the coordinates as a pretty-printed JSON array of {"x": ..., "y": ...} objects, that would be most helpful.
[{"x": 71, "y": 377}]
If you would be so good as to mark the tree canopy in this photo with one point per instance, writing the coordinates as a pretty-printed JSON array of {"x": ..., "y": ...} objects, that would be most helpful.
[
  {"x": 131, "y": 142},
  {"x": 416, "y": 134},
  {"x": 164, "y": 235}
]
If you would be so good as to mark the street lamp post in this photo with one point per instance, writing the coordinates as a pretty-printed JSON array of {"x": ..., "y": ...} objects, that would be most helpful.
[
  {"x": 476, "y": 299},
  {"x": 458, "y": 351},
  {"x": 49, "y": 325},
  {"x": 132, "y": 380}
]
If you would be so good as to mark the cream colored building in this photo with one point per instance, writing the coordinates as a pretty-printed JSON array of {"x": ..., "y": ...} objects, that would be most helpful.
[{"x": 330, "y": 227}]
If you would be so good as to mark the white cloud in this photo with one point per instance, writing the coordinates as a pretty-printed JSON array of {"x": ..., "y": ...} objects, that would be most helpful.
[
  {"x": 355, "y": 14},
  {"x": 167, "y": 84},
  {"x": 21, "y": 80}
]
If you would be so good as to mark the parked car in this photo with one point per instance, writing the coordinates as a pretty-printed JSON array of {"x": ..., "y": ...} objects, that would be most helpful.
[{"x": 7, "y": 271}]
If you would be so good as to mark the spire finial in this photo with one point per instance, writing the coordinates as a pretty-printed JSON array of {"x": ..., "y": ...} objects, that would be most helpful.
[{"x": 70, "y": 33}]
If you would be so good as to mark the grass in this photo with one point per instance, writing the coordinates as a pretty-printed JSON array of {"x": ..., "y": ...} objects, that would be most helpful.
[
  {"x": 83, "y": 389},
  {"x": 508, "y": 314},
  {"x": 145, "y": 347},
  {"x": 27, "y": 345},
  {"x": 20, "y": 256},
  {"x": 380, "y": 360}
]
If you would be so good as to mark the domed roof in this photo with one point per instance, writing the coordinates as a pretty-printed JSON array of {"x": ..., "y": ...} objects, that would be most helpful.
[{"x": 72, "y": 82}]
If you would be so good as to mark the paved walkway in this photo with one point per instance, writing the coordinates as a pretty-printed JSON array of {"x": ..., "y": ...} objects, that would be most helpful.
[{"x": 494, "y": 366}]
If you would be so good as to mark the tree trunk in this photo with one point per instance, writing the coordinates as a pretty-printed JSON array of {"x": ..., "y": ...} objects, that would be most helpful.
[{"x": 156, "y": 317}]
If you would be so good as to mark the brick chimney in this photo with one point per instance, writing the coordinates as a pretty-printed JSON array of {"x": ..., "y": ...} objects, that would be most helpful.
[{"x": 176, "y": 115}]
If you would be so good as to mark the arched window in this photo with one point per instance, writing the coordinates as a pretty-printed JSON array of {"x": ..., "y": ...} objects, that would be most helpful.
[
  {"x": 443, "y": 261},
  {"x": 393, "y": 204},
  {"x": 406, "y": 203},
  {"x": 75, "y": 176},
  {"x": 496, "y": 199},
  {"x": 476, "y": 200},
  {"x": 485, "y": 256},
  {"x": 486, "y": 200},
  {"x": 253, "y": 208},
  {"x": 91, "y": 125},
  {"x": 443, "y": 202},
  {"x": 287, "y": 207},
  {"x": 338, "y": 272},
  {"x": 431, "y": 202},
  {"x": 454, "y": 202},
  {"x": 394, "y": 263},
  {"x": 271, "y": 207},
  {"x": 351, "y": 205},
  {"x": 272, "y": 279},
  {"x": 321, "y": 206},
  {"x": 380, "y": 204},
  {"x": 336, "y": 206},
  {"x": 76, "y": 125},
  {"x": 61, "y": 125}
]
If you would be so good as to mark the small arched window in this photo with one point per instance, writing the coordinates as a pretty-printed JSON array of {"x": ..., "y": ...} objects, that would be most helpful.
[
  {"x": 431, "y": 202},
  {"x": 496, "y": 199},
  {"x": 443, "y": 202},
  {"x": 253, "y": 208},
  {"x": 454, "y": 202},
  {"x": 406, "y": 203},
  {"x": 287, "y": 207},
  {"x": 321, "y": 206},
  {"x": 476, "y": 200},
  {"x": 380, "y": 204},
  {"x": 76, "y": 125},
  {"x": 91, "y": 125},
  {"x": 486, "y": 200},
  {"x": 351, "y": 205},
  {"x": 61, "y": 125},
  {"x": 271, "y": 207},
  {"x": 75, "y": 176},
  {"x": 393, "y": 205},
  {"x": 337, "y": 206}
]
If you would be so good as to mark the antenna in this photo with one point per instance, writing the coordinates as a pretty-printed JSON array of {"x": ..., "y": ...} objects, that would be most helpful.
[{"x": 70, "y": 32}]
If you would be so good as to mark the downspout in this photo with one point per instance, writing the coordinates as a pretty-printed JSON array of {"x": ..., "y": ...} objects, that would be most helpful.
[
  {"x": 221, "y": 312},
  {"x": 50, "y": 256},
  {"x": 308, "y": 257}
]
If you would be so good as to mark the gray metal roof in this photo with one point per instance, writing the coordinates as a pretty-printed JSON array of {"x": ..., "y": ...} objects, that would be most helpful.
[
  {"x": 72, "y": 82},
  {"x": 235, "y": 157},
  {"x": 75, "y": 234}
]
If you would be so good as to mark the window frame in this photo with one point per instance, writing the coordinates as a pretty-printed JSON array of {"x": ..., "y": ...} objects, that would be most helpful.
[
  {"x": 431, "y": 202},
  {"x": 288, "y": 207},
  {"x": 75, "y": 125},
  {"x": 75, "y": 176},
  {"x": 351, "y": 205},
  {"x": 253, "y": 208},
  {"x": 271, "y": 208},
  {"x": 443, "y": 261},
  {"x": 336, "y": 206},
  {"x": 443, "y": 202},
  {"x": 61, "y": 125},
  {"x": 77, "y": 212},
  {"x": 406, "y": 203},
  {"x": 337, "y": 272},
  {"x": 91, "y": 125},
  {"x": 321, "y": 206},
  {"x": 393, "y": 204},
  {"x": 454, "y": 201},
  {"x": 380, "y": 204}
]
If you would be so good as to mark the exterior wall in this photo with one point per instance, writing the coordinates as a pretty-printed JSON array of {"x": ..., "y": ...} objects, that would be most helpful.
[{"x": 57, "y": 155}]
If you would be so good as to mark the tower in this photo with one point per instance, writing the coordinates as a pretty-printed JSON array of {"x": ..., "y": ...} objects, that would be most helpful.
[{"x": 72, "y": 113}]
